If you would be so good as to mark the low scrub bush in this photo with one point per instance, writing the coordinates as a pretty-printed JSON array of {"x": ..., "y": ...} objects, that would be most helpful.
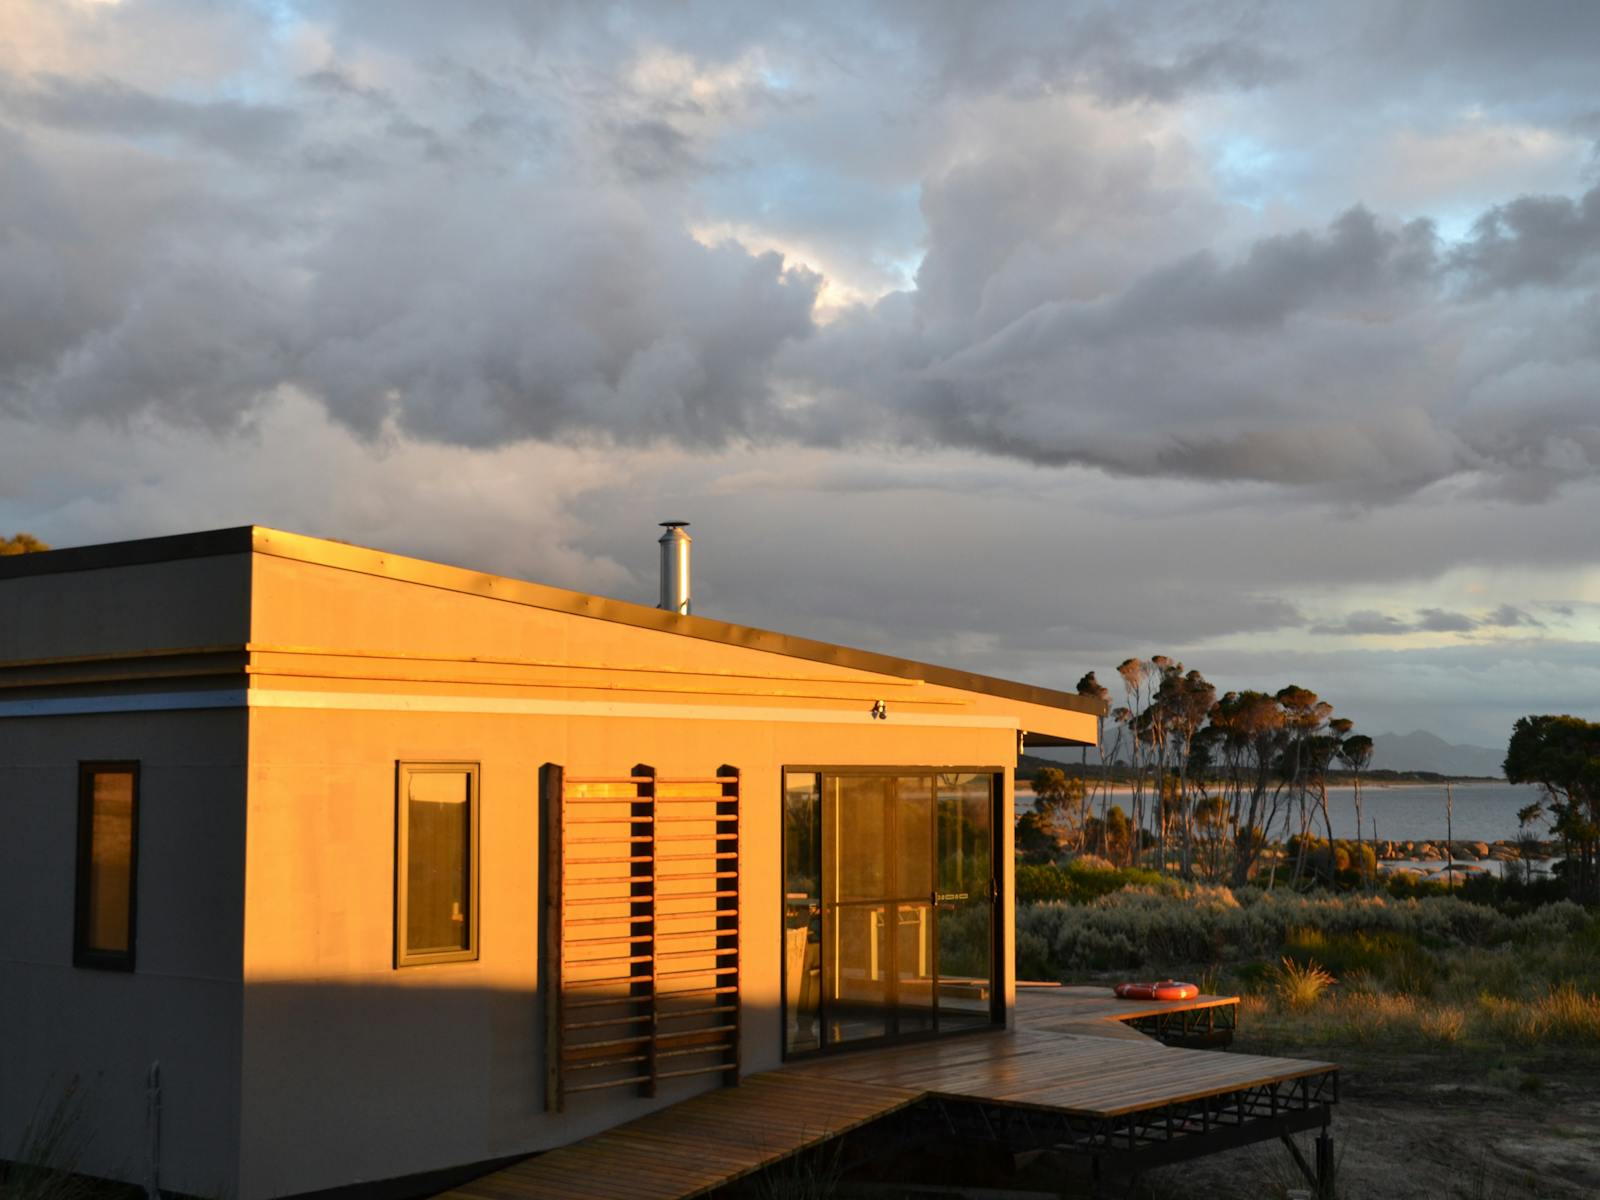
[
  {"x": 1112, "y": 920},
  {"x": 1038, "y": 882},
  {"x": 1347, "y": 953},
  {"x": 1412, "y": 972},
  {"x": 1079, "y": 881}
]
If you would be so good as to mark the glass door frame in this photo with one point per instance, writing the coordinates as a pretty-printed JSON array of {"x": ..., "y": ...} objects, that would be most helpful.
[{"x": 1000, "y": 919}]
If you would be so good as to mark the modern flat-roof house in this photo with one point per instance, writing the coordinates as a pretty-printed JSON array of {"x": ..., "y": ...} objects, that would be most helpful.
[{"x": 394, "y": 866}]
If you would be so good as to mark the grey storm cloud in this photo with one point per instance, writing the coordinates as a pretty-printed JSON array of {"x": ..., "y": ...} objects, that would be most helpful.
[
  {"x": 110, "y": 107},
  {"x": 465, "y": 314},
  {"x": 1364, "y": 623},
  {"x": 1533, "y": 240},
  {"x": 480, "y": 253},
  {"x": 1507, "y": 616},
  {"x": 1440, "y": 620},
  {"x": 1369, "y": 622}
]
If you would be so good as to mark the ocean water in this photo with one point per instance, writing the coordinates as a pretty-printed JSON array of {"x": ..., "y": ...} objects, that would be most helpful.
[{"x": 1484, "y": 812}]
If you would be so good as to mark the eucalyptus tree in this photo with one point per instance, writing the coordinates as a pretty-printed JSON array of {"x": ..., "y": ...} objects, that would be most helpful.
[
  {"x": 1182, "y": 703},
  {"x": 1122, "y": 720},
  {"x": 1135, "y": 673},
  {"x": 1091, "y": 687},
  {"x": 1164, "y": 672},
  {"x": 1252, "y": 738},
  {"x": 1304, "y": 718},
  {"x": 1562, "y": 755},
  {"x": 1355, "y": 751},
  {"x": 21, "y": 543}
]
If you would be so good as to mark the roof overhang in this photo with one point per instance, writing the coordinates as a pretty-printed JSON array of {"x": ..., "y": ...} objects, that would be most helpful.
[{"x": 1047, "y": 716}]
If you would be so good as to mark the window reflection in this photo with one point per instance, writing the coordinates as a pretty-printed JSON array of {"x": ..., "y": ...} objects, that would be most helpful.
[
  {"x": 888, "y": 902},
  {"x": 802, "y": 909},
  {"x": 106, "y": 857},
  {"x": 436, "y": 871}
]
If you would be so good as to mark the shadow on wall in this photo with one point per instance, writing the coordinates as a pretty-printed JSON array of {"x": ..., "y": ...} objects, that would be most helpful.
[{"x": 346, "y": 1084}]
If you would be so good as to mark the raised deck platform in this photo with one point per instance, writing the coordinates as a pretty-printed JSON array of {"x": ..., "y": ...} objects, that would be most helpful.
[{"x": 1072, "y": 1077}]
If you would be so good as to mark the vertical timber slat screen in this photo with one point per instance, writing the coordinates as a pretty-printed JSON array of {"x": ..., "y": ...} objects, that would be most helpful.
[{"x": 642, "y": 936}]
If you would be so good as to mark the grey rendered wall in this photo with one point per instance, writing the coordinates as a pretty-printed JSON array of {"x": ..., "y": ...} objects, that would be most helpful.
[{"x": 102, "y": 1029}]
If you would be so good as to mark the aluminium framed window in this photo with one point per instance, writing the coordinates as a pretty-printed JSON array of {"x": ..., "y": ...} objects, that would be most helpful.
[
  {"x": 436, "y": 863},
  {"x": 106, "y": 891},
  {"x": 893, "y": 925}
]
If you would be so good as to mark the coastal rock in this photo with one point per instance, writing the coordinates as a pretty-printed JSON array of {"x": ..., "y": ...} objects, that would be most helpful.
[{"x": 1480, "y": 849}]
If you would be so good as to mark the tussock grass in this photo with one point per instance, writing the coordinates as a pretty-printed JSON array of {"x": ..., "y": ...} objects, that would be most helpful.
[
  {"x": 1300, "y": 985},
  {"x": 1563, "y": 1014},
  {"x": 50, "y": 1152},
  {"x": 1443, "y": 1025},
  {"x": 1562, "y": 1017}
]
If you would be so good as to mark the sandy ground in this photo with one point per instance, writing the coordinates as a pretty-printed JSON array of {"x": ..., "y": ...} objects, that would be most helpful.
[{"x": 1431, "y": 1125}]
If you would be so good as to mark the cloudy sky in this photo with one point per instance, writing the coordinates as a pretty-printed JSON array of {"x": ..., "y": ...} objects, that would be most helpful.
[{"x": 1022, "y": 338}]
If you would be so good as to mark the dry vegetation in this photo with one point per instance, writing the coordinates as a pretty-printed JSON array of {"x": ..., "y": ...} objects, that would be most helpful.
[{"x": 1469, "y": 1037}]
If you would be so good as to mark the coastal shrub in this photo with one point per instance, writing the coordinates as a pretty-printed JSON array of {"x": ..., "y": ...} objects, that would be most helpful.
[
  {"x": 1500, "y": 972},
  {"x": 1344, "y": 863},
  {"x": 1561, "y": 921},
  {"x": 1079, "y": 881},
  {"x": 1359, "y": 983},
  {"x": 1412, "y": 972},
  {"x": 1170, "y": 926},
  {"x": 1033, "y": 957},
  {"x": 1038, "y": 882},
  {"x": 1346, "y": 953}
]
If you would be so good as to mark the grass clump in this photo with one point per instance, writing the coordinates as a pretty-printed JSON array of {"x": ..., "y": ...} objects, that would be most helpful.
[
  {"x": 1442, "y": 1026},
  {"x": 50, "y": 1152},
  {"x": 1300, "y": 985}
]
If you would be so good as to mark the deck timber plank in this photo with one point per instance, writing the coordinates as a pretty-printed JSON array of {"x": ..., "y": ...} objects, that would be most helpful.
[{"x": 1069, "y": 1053}]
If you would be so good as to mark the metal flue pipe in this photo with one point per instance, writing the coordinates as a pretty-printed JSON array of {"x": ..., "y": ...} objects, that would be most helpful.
[{"x": 675, "y": 545}]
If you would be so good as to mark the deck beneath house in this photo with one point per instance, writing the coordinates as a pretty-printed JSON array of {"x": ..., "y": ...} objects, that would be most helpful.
[{"x": 1074, "y": 1077}]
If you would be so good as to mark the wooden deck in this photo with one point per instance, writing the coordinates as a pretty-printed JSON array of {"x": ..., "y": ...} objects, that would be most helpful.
[{"x": 1105, "y": 1089}]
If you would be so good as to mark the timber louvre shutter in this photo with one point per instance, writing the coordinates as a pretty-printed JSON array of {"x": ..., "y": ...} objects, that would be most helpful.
[{"x": 642, "y": 930}]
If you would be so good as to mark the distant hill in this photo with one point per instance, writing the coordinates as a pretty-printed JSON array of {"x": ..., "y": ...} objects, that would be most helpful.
[
  {"x": 1420, "y": 750},
  {"x": 1418, "y": 755}
]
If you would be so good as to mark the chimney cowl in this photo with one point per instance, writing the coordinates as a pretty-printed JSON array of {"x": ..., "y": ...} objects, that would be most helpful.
[{"x": 675, "y": 545}]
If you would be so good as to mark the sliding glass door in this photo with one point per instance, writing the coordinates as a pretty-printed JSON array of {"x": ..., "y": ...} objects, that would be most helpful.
[{"x": 889, "y": 918}]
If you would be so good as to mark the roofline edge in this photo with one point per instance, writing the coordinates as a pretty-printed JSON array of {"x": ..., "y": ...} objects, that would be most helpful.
[{"x": 260, "y": 539}]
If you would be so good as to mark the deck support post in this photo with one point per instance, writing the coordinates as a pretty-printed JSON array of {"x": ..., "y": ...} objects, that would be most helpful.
[
  {"x": 1325, "y": 1169},
  {"x": 1300, "y": 1161}
]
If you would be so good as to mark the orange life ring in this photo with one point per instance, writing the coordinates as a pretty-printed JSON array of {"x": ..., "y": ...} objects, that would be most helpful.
[{"x": 1167, "y": 989}]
